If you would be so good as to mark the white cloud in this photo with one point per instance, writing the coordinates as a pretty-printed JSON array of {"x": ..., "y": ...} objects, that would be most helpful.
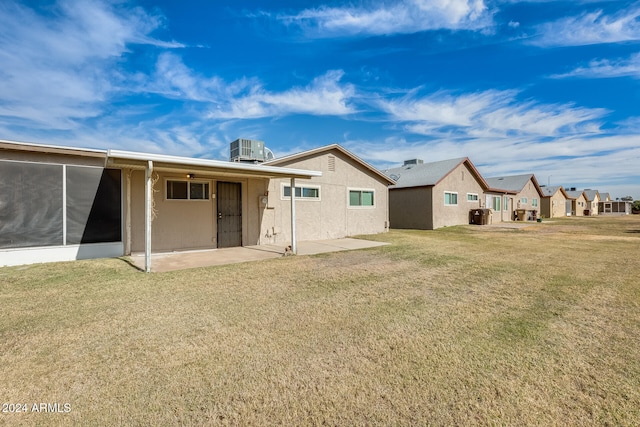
[
  {"x": 605, "y": 68},
  {"x": 246, "y": 98},
  {"x": 408, "y": 16},
  {"x": 323, "y": 96},
  {"x": 590, "y": 28},
  {"x": 489, "y": 114},
  {"x": 59, "y": 66}
]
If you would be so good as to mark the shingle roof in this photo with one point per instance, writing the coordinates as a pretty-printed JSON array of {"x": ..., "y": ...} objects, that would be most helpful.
[
  {"x": 591, "y": 194},
  {"x": 513, "y": 183},
  {"x": 423, "y": 174},
  {"x": 574, "y": 194},
  {"x": 550, "y": 191}
]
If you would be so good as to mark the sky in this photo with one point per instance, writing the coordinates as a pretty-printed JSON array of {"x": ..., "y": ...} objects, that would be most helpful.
[{"x": 541, "y": 86}]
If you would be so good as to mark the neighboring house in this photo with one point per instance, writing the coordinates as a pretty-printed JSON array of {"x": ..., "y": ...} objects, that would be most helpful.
[
  {"x": 593, "y": 198},
  {"x": 554, "y": 202},
  {"x": 614, "y": 207},
  {"x": 576, "y": 202},
  {"x": 428, "y": 196},
  {"x": 527, "y": 194},
  {"x": 605, "y": 197},
  {"x": 59, "y": 203},
  {"x": 501, "y": 202},
  {"x": 351, "y": 197}
]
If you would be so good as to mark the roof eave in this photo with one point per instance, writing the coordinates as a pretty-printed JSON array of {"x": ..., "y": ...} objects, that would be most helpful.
[
  {"x": 330, "y": 147},
  {"x": 163, "y": 162}
]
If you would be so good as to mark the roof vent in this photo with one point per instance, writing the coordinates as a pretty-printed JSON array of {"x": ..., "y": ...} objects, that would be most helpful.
[
  {"x": 413, "y": 162},
  {"x": 572, "y": 189}
]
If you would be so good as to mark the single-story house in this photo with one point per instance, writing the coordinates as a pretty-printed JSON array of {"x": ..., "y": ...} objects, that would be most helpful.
[
  {"x": 526, "y": 198},
  {"x": 576, "y": 202},
  {"x": 554, "y": 202},
  {"x": 65, "y": 203},
  {"x": 428, "y": 196},
  {"x": 593, "y": 198},
  {"x": 350, "y": 197}
]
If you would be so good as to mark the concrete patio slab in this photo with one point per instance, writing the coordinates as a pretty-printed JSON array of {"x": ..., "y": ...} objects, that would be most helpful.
[{"x": 170, "y": 261}]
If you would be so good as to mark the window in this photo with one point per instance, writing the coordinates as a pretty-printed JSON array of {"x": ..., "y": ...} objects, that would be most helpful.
[
  {"x": 505, "y": 205},
  {"x": 534, "y": 202},
  {"x": 302, "y": 192},
  {"x": 472, "y": 197},
  {"x": 496, "y": 203},
  {"x": 187, "y": 190},
  {"x": 450, "y": 199},
  {"x": 524, "y": 201},
  {"x": 361, "y": 198}
]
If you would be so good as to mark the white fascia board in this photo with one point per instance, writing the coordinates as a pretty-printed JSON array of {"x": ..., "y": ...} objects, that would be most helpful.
[{"x": 219, "y": 164}]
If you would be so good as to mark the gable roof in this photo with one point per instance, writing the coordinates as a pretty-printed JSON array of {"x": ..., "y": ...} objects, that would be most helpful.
[
  {"x": 552, "y": 190},
  {"x": 429, "y": 174},
  {"x": 605, "y": 196},
  {"x": 325, "y": 149},
  {"x": 591, "y": 195},
  {"x": 575, "y": 194},
  {"x": 514, "y": 183}
]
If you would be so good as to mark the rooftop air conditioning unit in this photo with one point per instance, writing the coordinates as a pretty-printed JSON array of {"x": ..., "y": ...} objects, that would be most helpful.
[{"x": 249, "y": 151}]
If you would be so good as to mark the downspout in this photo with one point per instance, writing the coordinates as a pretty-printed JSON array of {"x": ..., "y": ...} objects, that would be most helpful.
[
  {"x": 294, "y": 244},
  {"x": 148, "y": 206}
]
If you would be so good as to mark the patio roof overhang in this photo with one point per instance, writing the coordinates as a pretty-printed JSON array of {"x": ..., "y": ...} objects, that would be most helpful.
[
  {"x": 151, "y": 163},
  {"x": 134, "y": 160}
]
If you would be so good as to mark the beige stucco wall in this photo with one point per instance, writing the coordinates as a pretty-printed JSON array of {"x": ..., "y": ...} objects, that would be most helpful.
[
  {"x": 423, "y": 207},
  {"x": 530, "y": 192},
  {"x": 330, "y": 217},
  {"x": 462, "y": 181},
  {"x": 189, "y": 224},
  {"x": 579, "y": 205},
  {"x": 554, "y": 206},
  {"x": 507, "y": 203},
  {"x": 593, "y": 206}
]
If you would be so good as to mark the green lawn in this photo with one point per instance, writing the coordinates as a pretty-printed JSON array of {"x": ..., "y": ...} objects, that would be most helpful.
[{"x": 459, "y": 326}]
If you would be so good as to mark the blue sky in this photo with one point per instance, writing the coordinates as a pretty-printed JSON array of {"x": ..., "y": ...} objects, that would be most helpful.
[{"x": 542, "y": 86}]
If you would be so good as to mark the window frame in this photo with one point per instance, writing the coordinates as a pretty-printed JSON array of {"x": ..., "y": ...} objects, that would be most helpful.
[
  {"x": 284, "y": 185},
  {"x": 534, "y": 202},
  {"x": 450, "y": 193},
  {"x": 361, "y": 190},
  {"x": 477, "y": 197},
  {"x": 499, "y": 199},
  {"x": 524, "y": 201},
  {"x": 206, "y": 183}
]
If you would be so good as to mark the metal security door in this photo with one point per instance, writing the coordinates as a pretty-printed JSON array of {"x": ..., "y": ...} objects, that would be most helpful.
[{"x": 229, "y": 214}]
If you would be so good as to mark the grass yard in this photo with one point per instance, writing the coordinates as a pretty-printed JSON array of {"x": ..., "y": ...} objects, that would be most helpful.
[{"x": 465, "y": 325}]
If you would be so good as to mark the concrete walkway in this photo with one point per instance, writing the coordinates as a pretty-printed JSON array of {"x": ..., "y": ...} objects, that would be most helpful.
[{"x": 170, "y": 261}]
